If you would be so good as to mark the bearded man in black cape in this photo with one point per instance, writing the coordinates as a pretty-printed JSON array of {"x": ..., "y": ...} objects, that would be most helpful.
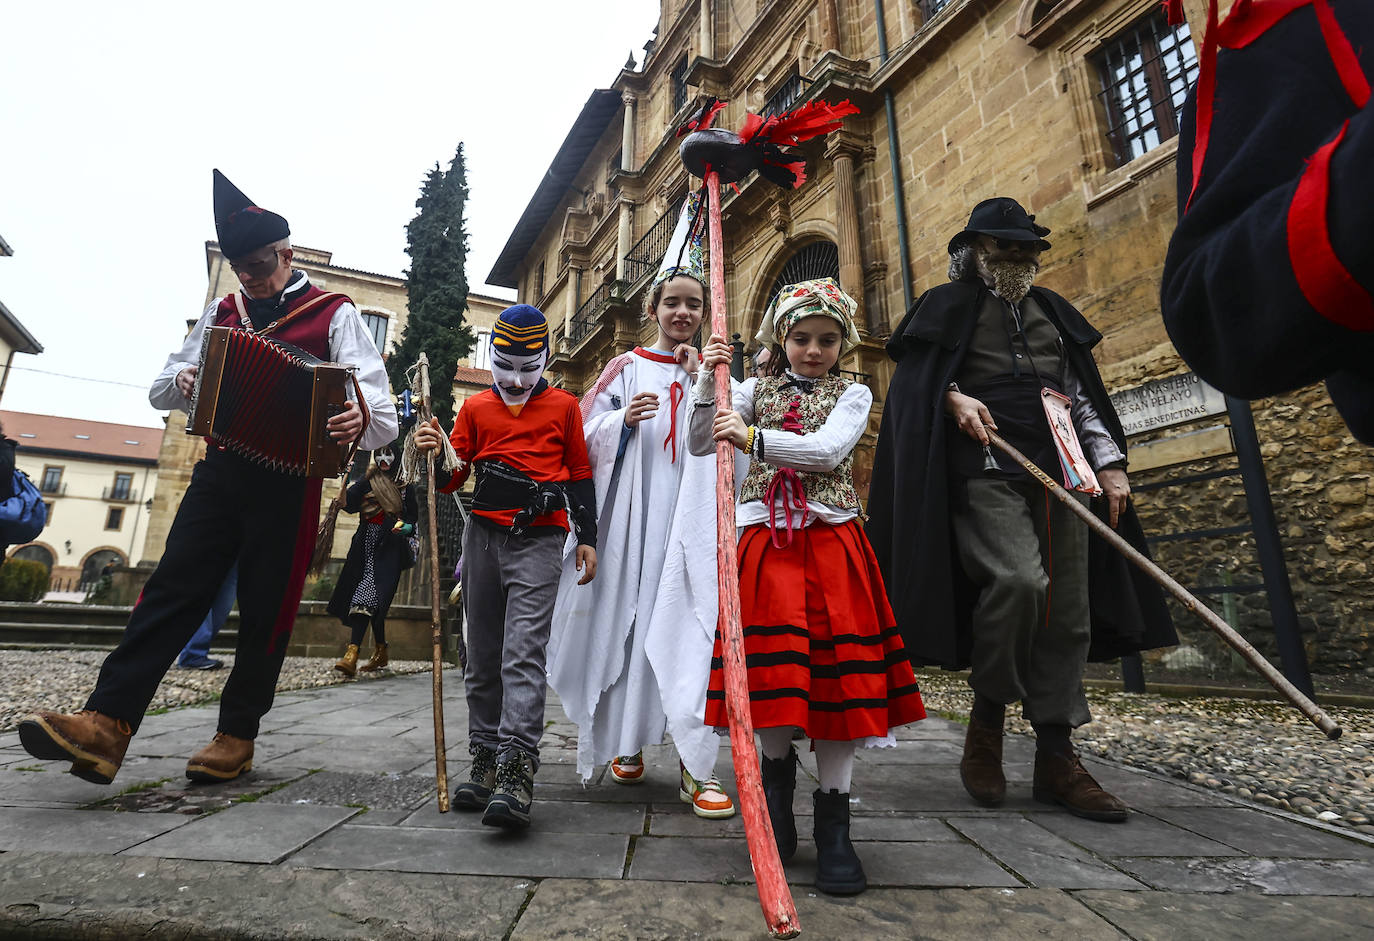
[{"x": 983, "y": 568}]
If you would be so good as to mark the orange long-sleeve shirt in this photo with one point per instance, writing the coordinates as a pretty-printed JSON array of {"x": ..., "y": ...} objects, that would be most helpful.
[{"x": 544, "y": 441}]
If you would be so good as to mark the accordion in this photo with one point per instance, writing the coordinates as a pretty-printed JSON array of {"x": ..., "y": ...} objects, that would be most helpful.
[{"x": 268, "y": 401}]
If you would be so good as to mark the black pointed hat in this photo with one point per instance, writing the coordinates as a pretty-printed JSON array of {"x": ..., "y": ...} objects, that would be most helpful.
[{"x": 240, "y": 225}]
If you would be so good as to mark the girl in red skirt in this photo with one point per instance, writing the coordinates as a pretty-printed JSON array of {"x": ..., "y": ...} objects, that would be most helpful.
[{"x": 822, "y": 649}]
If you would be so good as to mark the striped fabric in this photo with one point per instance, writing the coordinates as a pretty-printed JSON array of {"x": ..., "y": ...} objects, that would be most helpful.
[{"x": 827, "y": 659}]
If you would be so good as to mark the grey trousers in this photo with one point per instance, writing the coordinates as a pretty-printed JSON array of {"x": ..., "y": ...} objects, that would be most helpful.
[
  {"x": 1028, "y": 555},
  {"x": 509, "y": 587}
]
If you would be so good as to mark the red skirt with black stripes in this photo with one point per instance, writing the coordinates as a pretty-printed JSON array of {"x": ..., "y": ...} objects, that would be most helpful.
[{"x": 821, "y": 644}]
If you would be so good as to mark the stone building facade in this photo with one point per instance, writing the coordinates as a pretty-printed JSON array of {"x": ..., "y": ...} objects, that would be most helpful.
[{"x": 1069, "y": 106}]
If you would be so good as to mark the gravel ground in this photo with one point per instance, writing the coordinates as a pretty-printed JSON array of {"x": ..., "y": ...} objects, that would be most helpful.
[
  {"x": 1260, "y": 750},
  {"x": 62, "y": 679},
  {"x": 1257, "y": 749}
]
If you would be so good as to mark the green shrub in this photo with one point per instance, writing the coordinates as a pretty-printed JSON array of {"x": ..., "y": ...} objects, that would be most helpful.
[{"x": 23, "y": 580}]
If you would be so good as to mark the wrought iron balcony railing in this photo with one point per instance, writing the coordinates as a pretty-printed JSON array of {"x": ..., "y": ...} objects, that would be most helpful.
[
  {"x": 646, "y": 254},
  {"x": 584, "y": 321}
]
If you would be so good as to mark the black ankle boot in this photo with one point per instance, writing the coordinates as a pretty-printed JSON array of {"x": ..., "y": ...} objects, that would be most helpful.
[
  {"x": 838, "y": 870},
  {"x": 779, "y": 781}
]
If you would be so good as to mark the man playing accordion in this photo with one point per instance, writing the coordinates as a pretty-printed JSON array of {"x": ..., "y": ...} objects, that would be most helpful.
[{"x": 235, "y": 511}]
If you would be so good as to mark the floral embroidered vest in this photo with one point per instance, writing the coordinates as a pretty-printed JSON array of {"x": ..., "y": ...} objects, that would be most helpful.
[{"x": 780, "y": 410}]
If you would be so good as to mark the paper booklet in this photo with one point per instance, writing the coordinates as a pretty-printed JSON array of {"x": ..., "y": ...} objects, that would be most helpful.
[{"x": 1078, "y": 473}]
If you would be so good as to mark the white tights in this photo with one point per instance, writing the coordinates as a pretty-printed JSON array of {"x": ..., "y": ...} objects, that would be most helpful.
[{"x": 834, "y": 760}]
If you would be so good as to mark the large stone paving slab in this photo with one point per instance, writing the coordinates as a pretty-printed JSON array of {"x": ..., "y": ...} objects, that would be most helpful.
[
  {"x": 371, "y": 791},
  {"x": 254, "y": 832},
  {"x": 79, "y": 831},
  {"x": 619, "y": 911},
  {"x": 1177, "y": 916},
  {"x": 537, "y": 853},
  {"x": 1144, "y": 790},
  {"x": 1139, "y": 835},
  {"x": 1263, "y": 834},
  {"x": 554, "y": 817},
  {"x": 54, "y": 785},
  {"x": 54, "y": 896},
  {"x": 1267, "y": 876},
  {"x": 364, "y": 754},
  {"x": 1040, "y": 858}
]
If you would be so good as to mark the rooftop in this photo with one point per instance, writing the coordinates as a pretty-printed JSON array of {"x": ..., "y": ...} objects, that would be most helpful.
[{"x": 77, "y": 436}]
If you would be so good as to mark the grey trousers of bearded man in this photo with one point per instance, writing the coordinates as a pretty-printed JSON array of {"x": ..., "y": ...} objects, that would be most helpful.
[
  {"x": 509, "y": 587},
  {"x": 1028, "y": 555}
]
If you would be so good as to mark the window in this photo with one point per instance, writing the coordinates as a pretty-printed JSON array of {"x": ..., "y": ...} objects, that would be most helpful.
[
  {"x": 47, "y": 504},
  {"x": 785, "y": 97},
  {"x": 35, "y": 554},
  {"x": 1144, "y": 76},
  {"x": 539, "y": 282},
  {"x": 122, "y": 485},
  {"x": 481, "y": 350},
  {"x": 376, "y": 325},
  {"x": 52, "y": 479},
  {"x": 613, "y": 167},
  {"x": 932, "y": 8},
  {"x": 678, "y": 82},
  {"x": 115, "y": 519}
]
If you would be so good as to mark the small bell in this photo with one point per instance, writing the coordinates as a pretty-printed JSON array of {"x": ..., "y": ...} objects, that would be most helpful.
[{"x": 990, "y": 464}]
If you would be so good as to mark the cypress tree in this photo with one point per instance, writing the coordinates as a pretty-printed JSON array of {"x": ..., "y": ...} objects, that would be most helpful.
[{"x": 436, "y": 286}]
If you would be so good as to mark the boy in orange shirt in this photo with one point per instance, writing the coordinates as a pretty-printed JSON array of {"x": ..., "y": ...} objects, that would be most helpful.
[{"x": 524, "y": 439}]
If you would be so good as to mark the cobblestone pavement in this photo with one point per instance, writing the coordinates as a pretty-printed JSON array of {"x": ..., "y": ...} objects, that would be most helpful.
[{"x": 335, "y": 834}]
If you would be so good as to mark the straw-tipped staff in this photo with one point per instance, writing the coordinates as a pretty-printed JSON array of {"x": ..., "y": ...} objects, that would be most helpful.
[
  {"x": 436, "y": 637},
  {"x": 1209, "y": 617}
]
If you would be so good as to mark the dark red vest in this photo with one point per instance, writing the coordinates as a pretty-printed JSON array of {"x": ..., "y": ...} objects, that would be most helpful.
[{"x": 310, "y": 331}]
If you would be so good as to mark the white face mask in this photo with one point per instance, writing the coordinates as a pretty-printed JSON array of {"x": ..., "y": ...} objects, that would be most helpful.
[{"x": 516, "y": 376}]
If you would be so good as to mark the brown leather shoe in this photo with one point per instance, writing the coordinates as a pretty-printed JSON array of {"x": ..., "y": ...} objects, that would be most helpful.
[
  {"x": 1061, "y": 779},
  {"x": 225, "y": 758},
  {"x": 378, "y": 661},
  {"x": 981, "y": 767},
  {"x": 95, "y": 743}
]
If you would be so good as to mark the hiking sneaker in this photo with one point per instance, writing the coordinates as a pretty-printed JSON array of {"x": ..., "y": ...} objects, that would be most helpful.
[
  {"x": 474, "y": 793},
  {"x": 707, "y": 797},
  {"x": 510, "y": 802},
  {"x": 628, "y": 769}
]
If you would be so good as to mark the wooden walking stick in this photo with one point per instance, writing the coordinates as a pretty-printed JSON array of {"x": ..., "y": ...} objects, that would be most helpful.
[
  {"x": 1209, "y": 617},
  {"x": 779, "y": 911},
  {"x": 425, "y": 412}
]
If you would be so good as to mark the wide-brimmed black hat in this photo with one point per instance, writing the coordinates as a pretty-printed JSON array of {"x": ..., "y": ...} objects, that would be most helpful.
[
  {"x": 1002, "y": 218},
  {"x": 240, "y": 225}
]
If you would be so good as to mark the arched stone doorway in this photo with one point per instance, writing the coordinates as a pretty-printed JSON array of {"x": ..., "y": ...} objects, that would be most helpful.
[{"x": 36, "y": 553}]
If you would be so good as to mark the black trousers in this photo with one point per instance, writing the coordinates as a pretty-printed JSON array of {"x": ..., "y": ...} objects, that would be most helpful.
[{"x": 233, "y": 511}]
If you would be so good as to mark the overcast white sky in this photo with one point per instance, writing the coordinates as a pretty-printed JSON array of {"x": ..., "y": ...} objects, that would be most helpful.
[{"x": 112, "y": 116}]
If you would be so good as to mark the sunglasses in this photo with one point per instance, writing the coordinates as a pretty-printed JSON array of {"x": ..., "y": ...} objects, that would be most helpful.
[{"x": 256, "y": 268}]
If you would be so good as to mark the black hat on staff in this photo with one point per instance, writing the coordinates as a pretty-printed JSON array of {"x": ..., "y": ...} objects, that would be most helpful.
[
  {"x": 1002, "y": 218},
  {"x": 240, "y": 225}
]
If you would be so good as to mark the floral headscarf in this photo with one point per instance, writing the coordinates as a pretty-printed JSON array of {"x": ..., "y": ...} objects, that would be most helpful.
[{"x": 819, "y": 297}]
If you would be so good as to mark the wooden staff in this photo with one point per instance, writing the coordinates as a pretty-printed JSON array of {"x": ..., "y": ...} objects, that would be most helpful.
[
  {"x": 1209, "y": 617},
  {"x": 436, "y": 636},
  {"x": 778, "y": 909}
]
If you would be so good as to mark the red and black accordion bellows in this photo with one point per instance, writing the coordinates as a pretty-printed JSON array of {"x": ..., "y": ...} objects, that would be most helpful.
[{"x": 268, "y": 401}]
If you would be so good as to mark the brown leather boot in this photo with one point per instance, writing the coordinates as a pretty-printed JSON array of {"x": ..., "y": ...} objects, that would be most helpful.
[
  {"x": 379, "y": 659},
  {"x": 348, "y": 663},
  {"x": 981, "y": 767},
  {"x": 1061, "y": 779},
  {"x": 95, "y": 743},
  {"x": 225, "y": 758}
]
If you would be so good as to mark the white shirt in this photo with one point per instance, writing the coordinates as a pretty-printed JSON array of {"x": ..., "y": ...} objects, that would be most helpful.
[
  {"x": 817, "y": 452},
  {"x": 350, "y": 343}
]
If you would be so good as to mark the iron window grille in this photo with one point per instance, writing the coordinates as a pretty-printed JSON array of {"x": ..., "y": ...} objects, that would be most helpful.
[
  {"x": 817, "y": 260},
  {"x": 679, "y": 85},
  {"x": 932, "y": 8},
  {"x": 785, "y": 97},
  {"x": 1144, "y": 75}
]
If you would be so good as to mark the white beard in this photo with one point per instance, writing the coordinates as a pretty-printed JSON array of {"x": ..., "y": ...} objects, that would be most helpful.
[
  {"x": 508, "y": 379},
  {"x": 1011, "y": 280}
]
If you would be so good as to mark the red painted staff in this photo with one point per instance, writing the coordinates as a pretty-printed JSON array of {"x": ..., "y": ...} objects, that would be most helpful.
[{"x": 720, "y": 156}]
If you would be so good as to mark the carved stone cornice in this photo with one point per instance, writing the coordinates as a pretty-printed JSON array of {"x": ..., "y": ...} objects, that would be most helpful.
[{"x": 845, "y": 143}]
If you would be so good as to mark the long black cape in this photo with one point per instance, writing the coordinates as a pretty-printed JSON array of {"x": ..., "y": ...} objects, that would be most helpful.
[{"x": 908, "y": 503}]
